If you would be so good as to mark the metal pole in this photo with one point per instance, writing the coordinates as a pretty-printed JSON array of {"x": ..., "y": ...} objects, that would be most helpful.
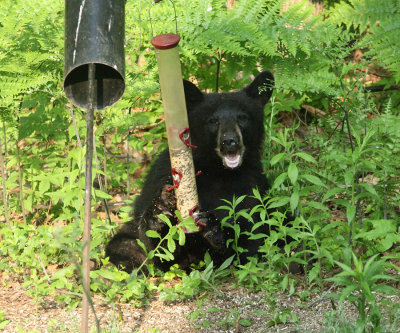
[{"x": 88, "y": 199}]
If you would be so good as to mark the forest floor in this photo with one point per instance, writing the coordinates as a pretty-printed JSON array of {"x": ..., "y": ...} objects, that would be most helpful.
[
  {"x": 233, "y": 309},
  {"x": 227, "y": 309}
]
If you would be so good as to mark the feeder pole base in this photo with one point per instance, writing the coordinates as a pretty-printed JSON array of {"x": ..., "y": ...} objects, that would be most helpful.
[{"x": 88, "y": 204}]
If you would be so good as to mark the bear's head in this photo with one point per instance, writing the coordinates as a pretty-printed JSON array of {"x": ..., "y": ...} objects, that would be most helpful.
[{"x": 228, "y": 128}]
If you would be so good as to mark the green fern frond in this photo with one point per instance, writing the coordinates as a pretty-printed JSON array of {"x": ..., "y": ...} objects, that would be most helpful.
[
  {"x": 30, "y": 39},
  {"x": 380, "y": 23}
]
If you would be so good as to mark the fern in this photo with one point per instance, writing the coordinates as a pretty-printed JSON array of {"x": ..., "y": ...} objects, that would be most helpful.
[
  {"x": 30, "y": 53},
  {"x": 379, "y": 21},
  {"x": 296, "y": 43}
]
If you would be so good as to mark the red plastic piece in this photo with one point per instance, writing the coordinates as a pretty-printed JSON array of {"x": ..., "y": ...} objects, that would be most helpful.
[
  {"x": 165, "y": 41},
  {"x": 184, "y": 135},
  {"x": 200, "y": 226},
  {"x": 194, "y": 211},
  {"x": 176, "y": 178}
]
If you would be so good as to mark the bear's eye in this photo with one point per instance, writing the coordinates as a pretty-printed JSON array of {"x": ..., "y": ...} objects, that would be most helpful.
[
  {"x": 213, "y": 121},
  {"x": 242, "y": 118}
]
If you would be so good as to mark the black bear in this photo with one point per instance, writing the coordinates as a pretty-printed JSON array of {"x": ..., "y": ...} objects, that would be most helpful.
[{"x": 228, "y": 130}]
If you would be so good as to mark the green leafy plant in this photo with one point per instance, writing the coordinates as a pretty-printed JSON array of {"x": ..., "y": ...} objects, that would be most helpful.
[
  {"x": 282, "y": 316},
  {"x": 198, "y": 281},
  {"x": 360, "y": 283},
  {"x": 230, "y": 222},
  {"x": 3, "y": 321}
]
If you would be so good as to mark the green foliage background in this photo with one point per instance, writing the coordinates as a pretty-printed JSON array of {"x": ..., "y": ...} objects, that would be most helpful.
[{"x": 340, "y": 180}]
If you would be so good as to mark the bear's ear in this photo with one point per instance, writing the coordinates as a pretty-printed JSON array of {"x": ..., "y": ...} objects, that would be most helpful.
[
  {"x": 261, "y": 88},
  {"x": 192, "y": 94}
]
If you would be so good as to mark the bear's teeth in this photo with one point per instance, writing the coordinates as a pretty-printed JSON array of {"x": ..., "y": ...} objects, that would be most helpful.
[{"x": 232, "y": 161}]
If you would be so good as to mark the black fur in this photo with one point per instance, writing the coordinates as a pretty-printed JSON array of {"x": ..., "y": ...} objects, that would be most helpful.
[{"x": 228, "y": 129}]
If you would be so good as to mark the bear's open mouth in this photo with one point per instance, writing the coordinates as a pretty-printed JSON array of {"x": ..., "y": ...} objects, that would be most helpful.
[{"x": 232, "y": 161}]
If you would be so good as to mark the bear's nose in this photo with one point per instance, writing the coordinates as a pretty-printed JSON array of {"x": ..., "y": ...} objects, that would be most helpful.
[{"x": 229, "y": 142}]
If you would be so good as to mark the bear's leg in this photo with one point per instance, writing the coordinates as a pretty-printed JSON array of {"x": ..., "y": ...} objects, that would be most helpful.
[
  {"x": 212, "y": 231},
  {"x": 125, "y": 252}
]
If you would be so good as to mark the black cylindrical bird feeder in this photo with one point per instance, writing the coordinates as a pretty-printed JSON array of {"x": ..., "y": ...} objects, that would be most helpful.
[{"x": 94, "y": 34}]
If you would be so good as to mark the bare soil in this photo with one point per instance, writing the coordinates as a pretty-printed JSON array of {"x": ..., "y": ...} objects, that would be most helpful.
[{"x": 231, "y": 309}]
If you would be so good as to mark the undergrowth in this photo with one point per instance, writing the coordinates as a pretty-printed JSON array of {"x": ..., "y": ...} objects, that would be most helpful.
[{"x": 332, "y": 154}]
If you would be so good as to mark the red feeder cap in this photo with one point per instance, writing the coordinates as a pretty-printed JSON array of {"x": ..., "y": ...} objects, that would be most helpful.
[{"x": 165, "y": 41}]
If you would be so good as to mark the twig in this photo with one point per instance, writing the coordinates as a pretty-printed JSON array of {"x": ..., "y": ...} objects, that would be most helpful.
[
  {"x": 71, "y": 110},
  {"x": 322, "y": 298},
  {"x": 109, "y": 153},
  {"x": 86, "y": 293},
  {"x": 4, "y": 179},
  {"x": 346, "y": 119},
  {"x": 144, "y": 128},
  {"x": 359, "y": 210},
  {"x": 5, "y": 145},
  {"x": 315, "y": 111},
  {"x": 96, "y": 160},
  {"x": 333, "y": 132},
  {"x": 127, "y": 158},
  {"x": 237, "y": 324},
  {"x": 346, "y": 114},
  {"x": 20, "y": 171},
  {"x": 380, "y": 88},
  {"x": 21, "y": 185},
  {"x": 218, "y": 71},
  {"x": 37, "y": 255},
  {"x": 105, "y": 161},
  {"x": 48, "y": 209}
]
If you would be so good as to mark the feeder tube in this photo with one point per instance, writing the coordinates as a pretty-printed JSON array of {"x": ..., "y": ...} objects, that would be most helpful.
[{"x": 176, "y": 120}]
